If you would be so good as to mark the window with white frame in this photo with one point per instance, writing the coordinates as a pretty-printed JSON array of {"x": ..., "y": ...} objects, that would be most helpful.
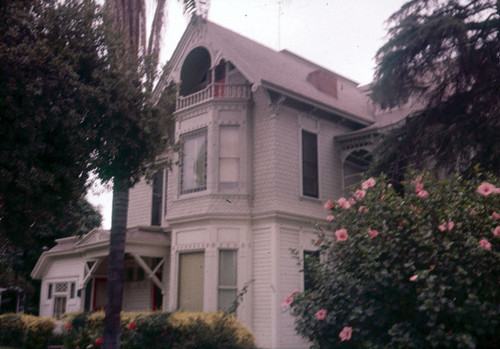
[
  {"x": 157, "y": 198},
  {"x": 229, "y": 156},
  {"x": 310, "y": 185},
  {"x": 194, "y": 162},
  {"x": 227, "y": 288},
  {"x": 60, "y": 292}
]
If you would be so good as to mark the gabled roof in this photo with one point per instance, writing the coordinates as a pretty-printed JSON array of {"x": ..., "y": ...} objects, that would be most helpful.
[{"x": 283, "y": 72}]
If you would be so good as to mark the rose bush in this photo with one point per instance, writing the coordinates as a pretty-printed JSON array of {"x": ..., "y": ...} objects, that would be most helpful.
[{"x": 415, "y": 270}]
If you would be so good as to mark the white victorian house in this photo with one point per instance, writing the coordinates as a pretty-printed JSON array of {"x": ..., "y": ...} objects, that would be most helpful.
[{"x": 267, "y": 138}]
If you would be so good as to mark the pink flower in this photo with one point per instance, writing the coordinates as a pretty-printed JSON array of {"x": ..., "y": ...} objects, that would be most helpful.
[
  {"x": 442, "y": 227},
  {"x": 474, "y": 212},
  {"x": 352, "y": 201},
  {"x": 372, "y": 233},
  {"x": 417, "y": 180},
  {"x": 382, "y": 198},
  {"x": 363, "y": 209},
  {"x": 419, "y": 187},
  {"x": 132, "y": 326},
  {"x": 495, "y": 215},
  {"x": 345, "y": 334},
  {"x": 360, "y": 194},
  {"x": 497, "y": 190},
  {"x": 341, "y": 234},
  {"x": 389, "y": 185},
  {"x": 370, "y": 182},
  {"x": 414, "y": 278},
  {"x": 285, "y": 302},
  {"x": 344, "y": 203},
  {"x": 318, "y": 241},
  {"x": 320, "y": 315},
  {"x": 496, "y": 231},
  {"x": 329, "y": 205},
  {"x": 329, "y": 218},
  {"x": 486, "y": 189},
  {"x": 451, "y": 225},
  {"x": 422, "y": 194},
  {"x": 483, "y": 243}
]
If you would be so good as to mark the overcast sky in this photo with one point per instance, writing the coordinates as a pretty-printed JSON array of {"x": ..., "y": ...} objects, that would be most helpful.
[{"x": 341, "y": 35}]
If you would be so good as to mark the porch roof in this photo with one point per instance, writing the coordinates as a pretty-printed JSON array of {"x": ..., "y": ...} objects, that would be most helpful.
[{"x": 143, "y": 240}]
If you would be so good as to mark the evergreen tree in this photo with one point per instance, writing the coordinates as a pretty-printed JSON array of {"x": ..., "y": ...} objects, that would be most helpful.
[{"x": 443, "y": 55}]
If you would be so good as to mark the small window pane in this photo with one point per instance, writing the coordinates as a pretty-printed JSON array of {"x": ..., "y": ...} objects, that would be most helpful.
[
  {"x": 310, "y": 259},
  {"x": 229, "y": 156},
  {"x": 226, "y": 299},
  {"x": 229, "y": 170},
  {"x": 61, "y": 287},
  {"x": 229, "y": 141},
  {"x": 72, "y": 290},
  {"x": 130, "y": 274},
  {"x": 227, "y": 268}
]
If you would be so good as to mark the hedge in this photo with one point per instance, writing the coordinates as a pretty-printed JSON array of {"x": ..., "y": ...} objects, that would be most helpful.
[{"x": 25, "y": 331}]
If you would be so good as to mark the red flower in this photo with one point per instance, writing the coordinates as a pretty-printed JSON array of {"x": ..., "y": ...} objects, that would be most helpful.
[
  {"x": 132, "y": 326},
  {"x": 98, "y": 341},
  {"x": 68, "y": 326}
]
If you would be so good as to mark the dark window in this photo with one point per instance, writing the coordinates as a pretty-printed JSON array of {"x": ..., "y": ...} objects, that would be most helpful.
[
  {"x": 140, "y": 274},
  {"x": 72, "y": 290},
  {"x": 157, "y": 199},
  {"x": 130, "y": 274},
  {"x": 310, "y": 164},
  {"x": 165, "y": 190},
  {"x": 49, "y": 296},
  {"x": 310, "y": 259}
]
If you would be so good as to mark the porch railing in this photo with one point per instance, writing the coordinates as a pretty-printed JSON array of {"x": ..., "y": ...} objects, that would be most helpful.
[{"x": 214, "y": 91}]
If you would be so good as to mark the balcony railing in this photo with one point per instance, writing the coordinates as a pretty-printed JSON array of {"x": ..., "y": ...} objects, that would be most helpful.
[{"x": 214, "y": 91}]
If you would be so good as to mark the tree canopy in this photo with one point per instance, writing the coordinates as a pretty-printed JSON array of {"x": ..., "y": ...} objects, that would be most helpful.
[{"x": 443, "y": 56}]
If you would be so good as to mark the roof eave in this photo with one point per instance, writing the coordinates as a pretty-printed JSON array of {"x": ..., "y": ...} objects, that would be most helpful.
[{"x": 342, "y": 113}]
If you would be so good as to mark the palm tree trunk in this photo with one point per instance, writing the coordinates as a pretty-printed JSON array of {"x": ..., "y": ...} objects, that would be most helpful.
[{"x": 114, "y": 289}]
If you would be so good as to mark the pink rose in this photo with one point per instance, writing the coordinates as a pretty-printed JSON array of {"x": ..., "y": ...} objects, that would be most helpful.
[
  {"x": 329, "y": 205},
  {"x": 344, "y": 203},
  {"x": 345, "y": 334},
  {"x": 486, "y": 189},
  {"x": 382, "y": 198},
  {"x": 341, "y": 234},
  {"x": 419, "y": 187},
  {"x": 352, "y": 201},
  {"x": 370, "y": 182},
  {"x": 285, "y": 302},
  {"x": 363, "y": 209},
  {"x": 496, "y": 231},
  {"x": 422, "y": 194},
  {"x": 360, "y": 194},
  {"x": 372, "y": 233},
  {"x": 442, "y": 227},
  {"x": 497, "y": 190},
  {"x": 474, "y": 212},
  {"x": 450, "y": 225},
  {"x": 483, "y": 243},
  {"x": 318, "y": 241},
  {"x": 417, "y": 180},
  {"x": 329, "y": 218},
  {"x": 495, "y": 215},
  {"x": 414, "y": 278},
  {"x": 320, "y": 315},
  {"x": 294, "y": 293}
]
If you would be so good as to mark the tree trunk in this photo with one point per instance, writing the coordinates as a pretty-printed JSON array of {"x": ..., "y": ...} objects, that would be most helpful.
[{"x": 114, "y": 290}]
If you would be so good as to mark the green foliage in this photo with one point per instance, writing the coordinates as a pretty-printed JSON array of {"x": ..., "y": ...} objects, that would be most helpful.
[
  {"x": 442, "y": 57},
  {"x": 25, "y": 331},
  {"x": 162, "y": 330},
  {"x": 415, "y": 270}
]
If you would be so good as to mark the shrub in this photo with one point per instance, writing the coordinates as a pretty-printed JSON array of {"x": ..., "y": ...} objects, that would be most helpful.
[
  {"x": 413, "y": 270},
  {"x": 25, "y": 331},
  {"x": 38, "y": 330},
  {"x": 162, "y": 330},
  {"x": 11, "y": 330}
]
